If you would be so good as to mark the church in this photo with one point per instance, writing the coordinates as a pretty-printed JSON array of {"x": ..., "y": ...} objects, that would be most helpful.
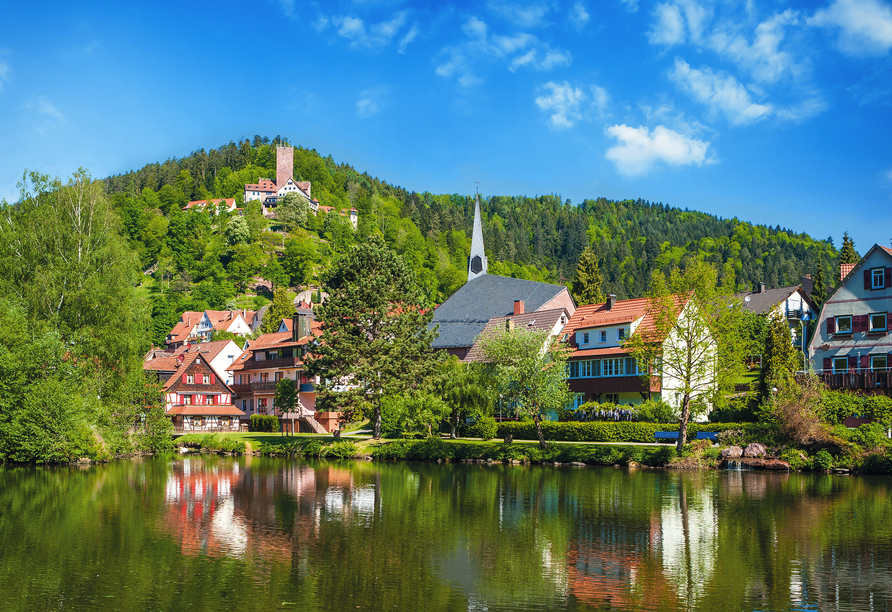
[{"x": 461, "y": 318}]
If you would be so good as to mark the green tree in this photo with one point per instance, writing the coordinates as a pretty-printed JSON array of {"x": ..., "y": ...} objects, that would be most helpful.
[
  {"x": 693, "y": 337},
  {"x": 275, "y": 273},
  {"x": 462, "y": 388},
  {"x": 819, "y": 290},
  {"x": 529, "y": 371},
  {"x": 779, "y": 363},
  {"x": 237, "y": 230},
  {"x": 375, "y": 337},
  {"x": 847, "y": 254},
  {"x": 292, "y": 211},
  {"x": 587, "y": 285},
  {"x": 282, "y": 307}
]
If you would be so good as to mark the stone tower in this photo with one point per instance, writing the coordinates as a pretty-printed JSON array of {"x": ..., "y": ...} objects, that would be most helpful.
[
  {"x": 477, "y": 261},
  {"x": 284, "y": 164}
]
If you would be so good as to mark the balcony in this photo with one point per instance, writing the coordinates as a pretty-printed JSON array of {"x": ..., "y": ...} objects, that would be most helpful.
[
  {"x": 254, "y": 387},
  {"x": 272, "y": 364},
  {"x": 795, "y": 314},
  {"x": 881, "y": 379}
]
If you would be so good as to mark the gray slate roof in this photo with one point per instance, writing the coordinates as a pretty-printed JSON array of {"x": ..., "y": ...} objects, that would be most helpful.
[
  {"x": 761, "y": 303},
  {"x": 539, "y": 320},
  {"x": 467, "y": 311}
]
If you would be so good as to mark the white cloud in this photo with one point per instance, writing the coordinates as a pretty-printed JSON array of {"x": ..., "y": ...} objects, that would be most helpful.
[
  {"x": 763, "y": 58},
  {"x": 564, "y": 102},
  {"x": 524, "y": 15},
  {"x": 409, "y": 37},
  {"x": 721, "y": 92},
  {"x": 371, "y": 101},
  {"x": 321, "y": 23},
  {"x": 640, "y": 149},
  {"x": 631, "y": 5},
  {"x": 520, "y": 50},
  {"x": 568, "y": 104},
  {"x": 579, "y": 16},
  {"x": 888, "y": 175},
  {"x": 865, "y": 26},
  {"x": 42, "y": 105},
  {"x": 376, "y": 35},
  {"x": 4, "y": 73},
  {"x": 669, "y": 26},
  {"x": 287, "y": 7}
]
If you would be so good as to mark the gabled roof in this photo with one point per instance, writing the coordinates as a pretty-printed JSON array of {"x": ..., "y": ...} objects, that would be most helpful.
[
  {"x": 274, "y": 341},
  {"x": 230, "y": 203},
  {"x": 767, "y": 300},
  {"x": 467, "y": 311},
  {"x": 848, "y": 275},
  {"x": 188, "y": 321},
  {"x": 539, "y": 320},
  {"x": 175, "y": 381}
]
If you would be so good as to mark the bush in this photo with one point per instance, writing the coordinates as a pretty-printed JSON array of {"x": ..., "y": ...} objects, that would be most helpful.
[
  {"x": 869, "y": 435},
  {"x": 796, "y": 458},
  {"x": 823, "y": 460},
  {"x": 343, "y": 449},
  {"x": 656, "y": 411},
  {"x": 879, "y": 408},
  {"x": 835, "y": 406},
  {"x": 485, "y": 428},
  {"x": 733, "y": 415},
  {"x": 212, "y": 443},
  {"x": 610, "y": 431},
  {"x": 264, "y": 422}
]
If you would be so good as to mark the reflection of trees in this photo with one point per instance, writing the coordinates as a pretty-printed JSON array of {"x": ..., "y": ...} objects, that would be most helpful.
[{"x": 215, "y": 533}]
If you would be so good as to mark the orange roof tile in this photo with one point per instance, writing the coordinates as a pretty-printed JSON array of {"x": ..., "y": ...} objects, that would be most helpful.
[{"x": 206, "y": 410}]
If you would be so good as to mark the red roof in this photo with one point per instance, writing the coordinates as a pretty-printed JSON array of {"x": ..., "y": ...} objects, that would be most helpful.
[
  {"x": 205, "y": 410},
  {"x": 230, "y": 203}
]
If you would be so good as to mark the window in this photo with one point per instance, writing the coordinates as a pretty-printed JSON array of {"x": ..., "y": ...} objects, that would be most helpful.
[
  {"x": 840, "y": 364},
  {"x": 604, "y": 336},
  {"x": 278, "y": 376},
  {"x": 190, "y": 379},
  {"x": 264, "y": 377},
  {"x": 209, "y": 400},
  {"x": 611, "y": 398},
  {"x": 877, "y": 278},
  {"x": 585, "y": 338},
  {"x": 844, "y": 324},
  {"x": 622, "y": 333},
  {"x": 205, "y": 379},
  {"x": 585, "y": 368},
  {"x": 612, "y": 367},
  {"x": 574, "y": 369},
  {"x": 879, "y": 363},
  {"x": 577, "y": 401},
  {"x": 187, "y": 400},
  {"x": 878, "y": 322}
]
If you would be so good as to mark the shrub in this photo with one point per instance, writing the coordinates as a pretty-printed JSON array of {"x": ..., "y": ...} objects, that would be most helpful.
[
  {"x": 485, "y": 428},
  {"x": 343, "y": 449},
  {"x": 834, "y": 406},
  {"x": 264, "y": 422},
  {"x": 869, "y": 435},
  {"x": 796, "y": 458},
  {"x": 879, "y": 407},
  {"x": 656, "y": 411},
  {"x": 823, "y": 460}
]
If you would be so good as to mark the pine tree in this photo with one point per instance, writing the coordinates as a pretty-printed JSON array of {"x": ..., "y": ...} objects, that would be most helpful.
[
  {"x": 587, "y": 286},
  {"x": 375, "y": 338},
  {"x": 281, "y": 308},
  {"x": 819, "y": 290},
  {"x": 847, "y": 254}
]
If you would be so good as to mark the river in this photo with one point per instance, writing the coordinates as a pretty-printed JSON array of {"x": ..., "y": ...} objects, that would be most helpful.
[{"x": 209, "y": 533}]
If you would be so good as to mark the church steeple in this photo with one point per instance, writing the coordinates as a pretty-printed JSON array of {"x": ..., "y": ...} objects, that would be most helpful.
[{"x": 477, "y": 261}]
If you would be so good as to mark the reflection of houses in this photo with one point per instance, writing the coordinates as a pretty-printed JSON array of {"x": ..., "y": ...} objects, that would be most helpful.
[
  {"x": 851, "y": 348},
  {"x": 462, "y": 317},
  {"x": 199, "y": 326},
  {"x": 601, "y": 368},
  {"x": 274, "y": 357},
  {"x": 197, "y": 399}
]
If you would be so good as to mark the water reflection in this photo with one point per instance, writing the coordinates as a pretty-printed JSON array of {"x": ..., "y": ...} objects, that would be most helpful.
[{"x": 214, "y": 533}]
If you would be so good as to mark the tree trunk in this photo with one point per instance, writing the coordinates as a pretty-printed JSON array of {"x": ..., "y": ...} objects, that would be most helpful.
[
  {"x": 454, "y": 422},
  {"x": 537, "y": 419},
  {"x": 683, "y": 423},
  {"x": 376, "y": 432}
]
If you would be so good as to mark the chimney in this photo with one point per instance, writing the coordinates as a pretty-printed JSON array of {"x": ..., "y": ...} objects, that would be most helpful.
[
  {"x": 611, "y": 300},
  {"x": 760, "y": 288},
  {"x": 844, "y": 270},
  {"x": 518, "y": 307},
  {"x": 509, "y": 325},
  {"x": 295, "y": 327},
  {"x": 807, "y": 284}
]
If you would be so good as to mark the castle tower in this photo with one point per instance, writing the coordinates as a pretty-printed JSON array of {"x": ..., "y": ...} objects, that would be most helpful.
[
  {"x": 477, "y": 261},
  {"x": 284, "y": 164}
]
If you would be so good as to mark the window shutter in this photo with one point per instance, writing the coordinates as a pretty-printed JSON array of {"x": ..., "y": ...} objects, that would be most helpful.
[
  {"x": 831, "y": 325},
  {"x": 184, "y": 378},
  {"x": 862, "y": 323},
  {"x": 213, "y": 379},
  {"x": 888, "y": 322},
  {"x": 853, "y": 362},
  {"x": 867, "y": 279},
  {"x": 828, "y": 364},
  {"x": 887, "y": 278},
  {"x": 865, "y": 362}
]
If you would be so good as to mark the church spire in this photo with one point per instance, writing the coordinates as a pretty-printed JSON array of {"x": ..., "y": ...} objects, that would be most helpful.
[{"x": 477, "y": 261}]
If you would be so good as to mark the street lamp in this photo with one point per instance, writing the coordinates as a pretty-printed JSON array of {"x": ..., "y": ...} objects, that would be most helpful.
[{"x": 806, "y": 317}]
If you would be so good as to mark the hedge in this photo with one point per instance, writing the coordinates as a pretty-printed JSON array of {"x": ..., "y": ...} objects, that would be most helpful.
[
  {"x": 264, "y": 422},
  {"x": 601, "y": 431}
]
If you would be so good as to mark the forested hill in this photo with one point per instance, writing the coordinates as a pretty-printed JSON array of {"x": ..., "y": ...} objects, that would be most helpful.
[{"x": 198, "y": 260}]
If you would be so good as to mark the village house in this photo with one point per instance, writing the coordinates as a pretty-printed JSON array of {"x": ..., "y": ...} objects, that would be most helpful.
[
  {"x": 269, "y": 193},
  {"x": 792, "y": 304},
  {"x": 462, "y": 317},
  {"x": 228, "y": 205},
  {"x": 219, "y": 354},
  {"x": 199, "y": 326},
  {"x": 851, "y": 348},
  {"x": 552, "y": 321},
  {"x": 601, "y": 367},
  {"x": 273, "y": 357},
  {"x": 197, "y": 399}
]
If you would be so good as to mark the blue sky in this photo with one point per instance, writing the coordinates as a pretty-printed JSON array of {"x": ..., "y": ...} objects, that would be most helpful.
[{"x": 772, "y": 112}]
